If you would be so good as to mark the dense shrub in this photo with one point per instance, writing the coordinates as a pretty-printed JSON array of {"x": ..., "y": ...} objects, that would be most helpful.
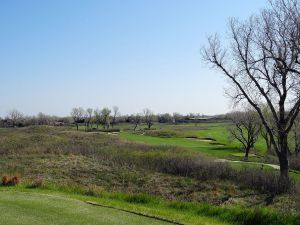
[
  {"x": 203, "y": 169},
  {"x": 36, "y": 183},
  {"x": 10, "y": 180},
  {"x": 265, "y": 181},
  {"x": 294, "y": 163}
]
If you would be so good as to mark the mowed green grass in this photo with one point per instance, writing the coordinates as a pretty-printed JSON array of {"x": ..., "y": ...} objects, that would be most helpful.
[
  {"x": 195, "y": 145},
  {"x": 217, "y": 131},
  {"x": 19, "y": 208}
]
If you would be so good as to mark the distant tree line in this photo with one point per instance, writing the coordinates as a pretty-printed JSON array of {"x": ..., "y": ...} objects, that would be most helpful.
[
  {"x": 15, "y": 118},
  {"x": 104, "y": 118}
]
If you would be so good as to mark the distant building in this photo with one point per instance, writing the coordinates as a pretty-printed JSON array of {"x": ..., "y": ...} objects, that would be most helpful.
[{"x": 199, "y": 119}]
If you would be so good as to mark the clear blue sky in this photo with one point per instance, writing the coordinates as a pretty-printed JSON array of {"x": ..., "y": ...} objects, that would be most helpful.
[{"x": 58, "y": 54}]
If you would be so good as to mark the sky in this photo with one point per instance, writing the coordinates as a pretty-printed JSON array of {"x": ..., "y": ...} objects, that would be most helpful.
[{"x": 135, "y": 54}]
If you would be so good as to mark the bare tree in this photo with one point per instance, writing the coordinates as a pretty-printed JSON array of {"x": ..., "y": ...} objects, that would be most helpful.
[
  {"x": 105, "y": 115},
  {"x": 164, "y": 118},
  {"x": 265, "y": 135},
  {"x": 272, "y": 125},
  {"x": 136, "y": 120},
  {"x": 114, "y": 117},
  {"x": 97, "y": 116},
  {"x": 15, "y": 117},
  {"x": 176, "y": 117},
  {"x": 245, "y": 129},
  {"x": 262, "y": 64},
  {"x": 78, "y": 115},
  {"x": 88, "y": 117},
  {"x": 42, "y": 119},
  {"x": 148, "y": 117}
]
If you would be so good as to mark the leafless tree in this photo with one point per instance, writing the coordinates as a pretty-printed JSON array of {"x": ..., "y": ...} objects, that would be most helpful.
[
  {"x": 136, "y": 120},
  {"x": 88, "y": 117},
  {"x": 265, "y": 135},
  {"x": 272, "y": 125},
  {"x": 105, "y": 117},
  {"x": 263, "y": 65},
  {"x": 164, "y": 118},
  {"x": 116, "y": 113},
  {"x": 176, "y": 117},
  {"x": 97, "y": 116},
  {"x": 42, "y": 119},
  {"x": 148, "y": 117},
  {"x": 78, "y": 115},
  {"x": 245, "y": 129},
  {"x": 14, "y": 116}
]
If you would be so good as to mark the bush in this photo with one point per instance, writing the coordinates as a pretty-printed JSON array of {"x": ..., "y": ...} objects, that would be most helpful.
[
  {"x": 10, "y": 181},
  {"x": 36, "y": 183},
  {"x": 294, "y": 163},
  {"x": 203, "y": 169},
  {"x": 5, "y": 180},
  {"x": 265, "y": 181}
]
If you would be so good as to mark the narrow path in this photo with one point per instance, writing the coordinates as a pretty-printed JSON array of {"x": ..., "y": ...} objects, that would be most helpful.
[{"x": 276, "y": 167}]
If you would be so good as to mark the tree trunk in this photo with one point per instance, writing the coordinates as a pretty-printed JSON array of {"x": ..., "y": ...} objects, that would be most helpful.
[
  {"x": 247, "y": 153},
  {"x": 283, "y": 159},
  {"x": 77, "y": 126},
  {"x": 284, "y": 167}
]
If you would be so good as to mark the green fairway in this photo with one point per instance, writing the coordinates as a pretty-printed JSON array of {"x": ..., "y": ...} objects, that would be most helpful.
[
  {"x": 19, "y": 208},
  {"x": 210, "y": 148},
  {"x": 220, "y": 147}
]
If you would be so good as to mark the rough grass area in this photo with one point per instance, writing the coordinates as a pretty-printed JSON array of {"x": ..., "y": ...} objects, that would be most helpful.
[{"x": 64, "y": 156}]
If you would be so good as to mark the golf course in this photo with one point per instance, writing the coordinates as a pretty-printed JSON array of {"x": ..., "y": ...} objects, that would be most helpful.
[{"x": 128, "y": 177}]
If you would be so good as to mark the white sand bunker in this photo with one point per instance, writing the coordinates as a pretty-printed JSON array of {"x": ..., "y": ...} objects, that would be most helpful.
[{"x": 205, "y": 140}]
